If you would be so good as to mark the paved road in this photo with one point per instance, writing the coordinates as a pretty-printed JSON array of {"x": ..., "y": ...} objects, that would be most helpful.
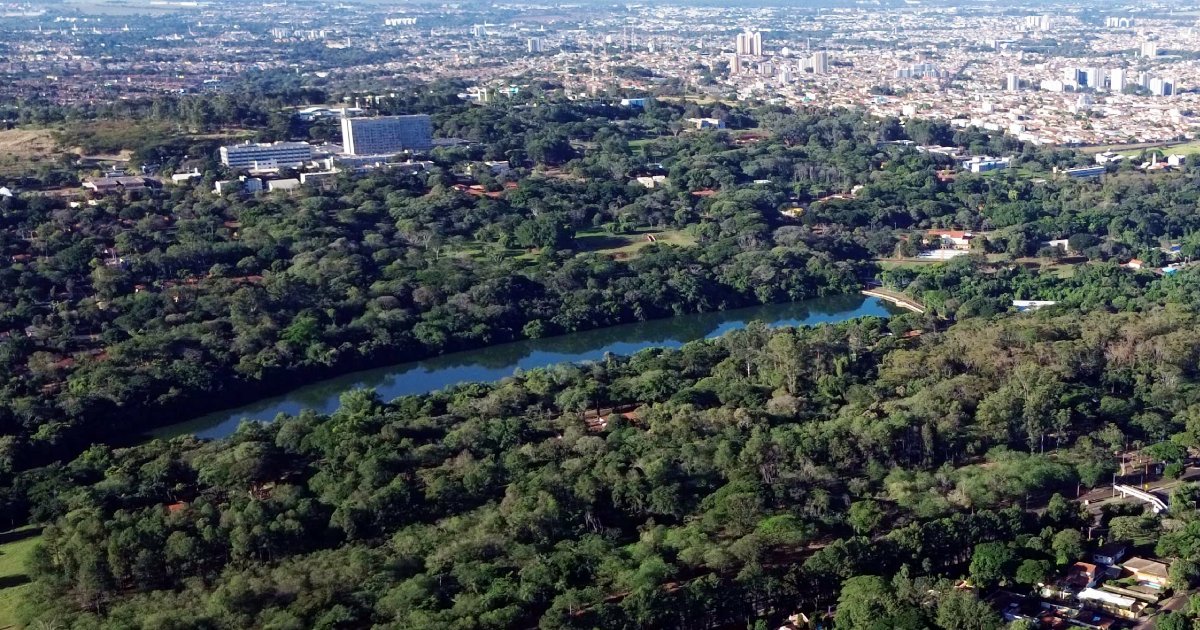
[
  {"x": 1172, "y": 604},
  {"x": 1161, "y": 487}
]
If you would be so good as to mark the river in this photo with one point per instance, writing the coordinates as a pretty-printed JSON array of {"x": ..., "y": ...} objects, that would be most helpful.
[{"x": 496, "y": 362}]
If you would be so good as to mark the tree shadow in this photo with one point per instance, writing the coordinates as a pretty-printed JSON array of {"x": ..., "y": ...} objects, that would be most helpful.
[
  {"x": 9, "y": 581},
  {"x": 19, "y": 534},
  {"x": 595, "y": 242}
]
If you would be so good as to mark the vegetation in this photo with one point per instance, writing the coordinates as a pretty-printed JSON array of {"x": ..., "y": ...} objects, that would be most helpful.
[{"x": 865, "y": 466}]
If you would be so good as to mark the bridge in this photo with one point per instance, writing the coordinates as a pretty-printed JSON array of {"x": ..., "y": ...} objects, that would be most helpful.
[{"x": 1157, "y": 505}]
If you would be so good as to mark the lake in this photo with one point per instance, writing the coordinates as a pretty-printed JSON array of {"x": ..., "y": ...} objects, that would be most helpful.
[{"x": 496, "y": 362}]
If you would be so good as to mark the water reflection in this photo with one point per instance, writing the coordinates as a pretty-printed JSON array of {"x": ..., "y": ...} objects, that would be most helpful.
[{"x": 496, "y": 362}]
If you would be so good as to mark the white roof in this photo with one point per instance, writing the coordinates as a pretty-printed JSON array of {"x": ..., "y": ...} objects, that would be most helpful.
[{"x": 1107, "y": 597}]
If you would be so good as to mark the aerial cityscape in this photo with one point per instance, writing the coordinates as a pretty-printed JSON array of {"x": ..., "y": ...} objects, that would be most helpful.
[{"x": 785, "y": 314}]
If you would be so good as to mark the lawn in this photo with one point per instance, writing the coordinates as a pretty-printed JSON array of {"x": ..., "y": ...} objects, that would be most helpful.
[
  {"x": 15, "y": 547},
  {"x": 628, "y": 245}
]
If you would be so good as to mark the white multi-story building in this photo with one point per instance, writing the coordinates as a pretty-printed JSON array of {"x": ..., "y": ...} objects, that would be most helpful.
[
  {"x": 1116, "y": 79},
  {"x": 266, "y": 156},
  {"x": 386, "y": 134},
  {"x": 820, "y": 62},
  {"x": 749, "y": 43}
]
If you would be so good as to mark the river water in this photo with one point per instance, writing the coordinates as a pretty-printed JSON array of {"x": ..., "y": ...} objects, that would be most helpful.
[{"x": 496, "y": 362}]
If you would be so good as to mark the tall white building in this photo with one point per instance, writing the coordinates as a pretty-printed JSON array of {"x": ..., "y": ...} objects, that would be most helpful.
[
  {"x": 1116, "y": 79},
  {"x": 1037, "y": 22},
  {"x": 820, "y": 62},
  {"x": 386, "y": 134},
  {"x": 1149, "y": 49},
  {"x": 1094, "y": 78},
  {"x": 1162, "y": 87},
  {"x": 1012, "y": 82},
  {"x": 534, "y": 44},
  {"x": 749, "y": 43},
  {"x": 266, "y": 156},
  {"x": 1070, "y": 77}
]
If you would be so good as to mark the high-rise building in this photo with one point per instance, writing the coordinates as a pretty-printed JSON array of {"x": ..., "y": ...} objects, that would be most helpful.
[
  {"x": 1094, "y": 78},
  {"x": 478, "y": 30},
  {"x": 1070, "y": 77},
  {"x": 735, "y": 64},
  {"x": 1012, "y": 82},
  {"x": 1116, "y": 79},
  {"x": 749, "y": 43},
  {"x": 266, "y": 156},
  {"x": 1162, "y": 87},
  {"x": 1037, "y": 22},
  {"x": 924, "y": 70},
  {"x": 386, "y": 134},
  {"x": 1149, "y": 49},
  {"x": 533, "y": 45},
  {"x": 820, "y": 62}
]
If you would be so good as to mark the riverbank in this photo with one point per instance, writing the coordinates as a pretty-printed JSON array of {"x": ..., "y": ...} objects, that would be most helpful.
[
  {"x": 493, "y": 363},
  {"x": 896, "y": 298}
]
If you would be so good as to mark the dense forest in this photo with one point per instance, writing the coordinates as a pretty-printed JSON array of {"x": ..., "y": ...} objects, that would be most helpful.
[
  {"x": 860, "y": 467},
  {"x": 749, "y": 476}
]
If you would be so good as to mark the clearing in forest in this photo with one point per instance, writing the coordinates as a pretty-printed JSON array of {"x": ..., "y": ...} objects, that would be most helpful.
[{"x": 15, "y": 548}]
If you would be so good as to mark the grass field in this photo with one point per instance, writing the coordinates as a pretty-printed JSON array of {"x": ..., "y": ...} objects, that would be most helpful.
[
  {"x": 1187, "y": 148},
  {"x": 15, "y": 547},
  {"x": 628, "y": 245},
  {"x": 21, "y": 149}
]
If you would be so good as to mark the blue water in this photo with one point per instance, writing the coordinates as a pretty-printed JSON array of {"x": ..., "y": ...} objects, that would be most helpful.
[{"x": 497, "y": 362}]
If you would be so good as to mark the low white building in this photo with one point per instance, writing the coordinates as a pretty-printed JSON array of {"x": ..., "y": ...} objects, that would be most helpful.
[{"x": 283, "y": 184}]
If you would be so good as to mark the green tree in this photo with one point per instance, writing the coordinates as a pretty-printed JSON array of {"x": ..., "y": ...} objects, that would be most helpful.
[
  {"x": 1068, "y": 546},
  {"x": 991, "y": 564}
]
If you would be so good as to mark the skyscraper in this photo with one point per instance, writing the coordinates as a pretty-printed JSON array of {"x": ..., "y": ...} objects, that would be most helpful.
[
  {"x": 1149, "y": 49},
  {"x": 386, "y": 134},
  {"x": 534, "y": 45},
  {"x": 1094, "y": 78},
  {"x": 820, "y": 62},
  {"x": 749, "y": 43},
  {"x": 1116, "y": 79},
  {"x": 1012, "y": 82}
]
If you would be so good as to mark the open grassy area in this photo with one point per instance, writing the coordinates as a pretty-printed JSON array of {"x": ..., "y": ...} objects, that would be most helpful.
[
  {"x": 628, "y": 245},
  {"x": 1187, "y": 148},
  {"x": 15, "y": 547},
  {"x": 23, "y": 149}
]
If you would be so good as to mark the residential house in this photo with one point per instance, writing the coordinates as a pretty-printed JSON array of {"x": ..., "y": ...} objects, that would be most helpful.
[
  {"x": 1082, "y": 575},
  {"x": 652, "y": 181},
  {"x": 1112, "y": 603},
  {"x": 1110, "y": 554},
  {"x": 953, "y": 239},
  {"x": 706, "y": 123},
  {"x": 1147, "y": 572}
]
